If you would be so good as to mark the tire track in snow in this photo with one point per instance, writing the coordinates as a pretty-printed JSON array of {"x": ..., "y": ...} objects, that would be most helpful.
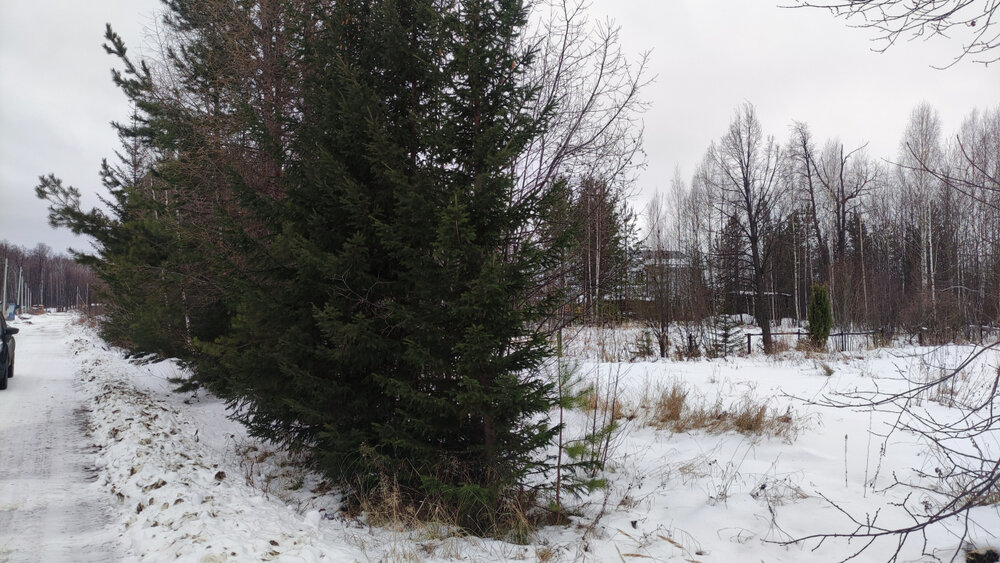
[{"x": 51, "y": 508}]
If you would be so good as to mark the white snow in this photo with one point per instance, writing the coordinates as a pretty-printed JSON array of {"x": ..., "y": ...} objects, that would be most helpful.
[{"x": 100, "y": 460}]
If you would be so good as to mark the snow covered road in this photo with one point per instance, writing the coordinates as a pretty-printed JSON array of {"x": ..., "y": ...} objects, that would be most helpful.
[{"x": 51, "y": 508}]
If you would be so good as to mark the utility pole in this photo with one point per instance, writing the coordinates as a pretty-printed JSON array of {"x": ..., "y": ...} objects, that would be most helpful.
[{"x": 3, "y": 311}]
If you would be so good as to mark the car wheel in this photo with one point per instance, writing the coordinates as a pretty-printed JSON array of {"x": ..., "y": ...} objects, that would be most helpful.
[
  {"x": 10, "y": 371},
  {"x": 3, "y": 377}
]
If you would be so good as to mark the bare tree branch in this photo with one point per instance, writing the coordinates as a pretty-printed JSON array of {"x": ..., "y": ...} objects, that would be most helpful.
[{"x": 974, "y": 23}]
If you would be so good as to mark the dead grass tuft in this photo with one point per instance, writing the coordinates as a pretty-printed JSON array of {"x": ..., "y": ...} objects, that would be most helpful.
[
  {"x": 271, "y": 470},
  {"x": 670, "y": 407},
  {"x": 599, "y": 404},
  {"x": 677, "y": 409},
  {"x": 749, "y": 417},
  {"x": 807, "y": 345},
  {"x": 545, "y": 553},
  {"x": 607, "y": 404},
  {"x": 432, "y": 517},
  {"x": 89, "y": 321}
]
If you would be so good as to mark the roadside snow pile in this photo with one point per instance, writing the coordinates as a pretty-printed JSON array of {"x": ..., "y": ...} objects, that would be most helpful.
[
  {"x": 181, "y": 498},
  {"x": 191, "y": 485}
]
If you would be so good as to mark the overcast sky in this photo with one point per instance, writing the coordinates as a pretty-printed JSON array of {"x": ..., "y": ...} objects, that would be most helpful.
[
  {"x": 708, "y": 57},
  {"x": 56, "y": 103}
]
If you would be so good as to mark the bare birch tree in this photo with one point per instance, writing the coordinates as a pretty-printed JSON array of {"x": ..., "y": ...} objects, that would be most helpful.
[{"x": 746, "y": 168}]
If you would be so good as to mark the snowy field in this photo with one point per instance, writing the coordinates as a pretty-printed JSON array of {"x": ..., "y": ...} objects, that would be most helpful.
[{"x": 99, "y": 460}]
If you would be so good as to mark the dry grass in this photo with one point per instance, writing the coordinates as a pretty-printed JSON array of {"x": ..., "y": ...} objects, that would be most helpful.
[
  {"x": 618, "y": 409},
  {"x": 777, "y": 491},
  {"x": 989, "y": 498},
  {"x": 385, "y": 506},
  {"x": 968, "y": 488},
  {"x": 545, "y": 553},
  {"x": 827, "y": 370},
  {"x": 435, "y": 521},
  {"x": 679, "y": 410},
  {"x": 89, "y": 321},
  {"x": 271, "y": 470},
  {"x": 807, "y": 345},
  {"x": 779, "y": 345},
  {"x": 970, "y": 386},
  {"x": 670, "y": 407}
]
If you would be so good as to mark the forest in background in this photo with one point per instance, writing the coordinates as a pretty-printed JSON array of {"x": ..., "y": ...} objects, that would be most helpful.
[
  {"x": 42, "y": 277},
  {"x": 907, "y": 244}
]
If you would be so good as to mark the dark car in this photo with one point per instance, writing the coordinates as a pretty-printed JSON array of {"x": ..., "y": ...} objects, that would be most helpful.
[{"x": 6, "y": 353}]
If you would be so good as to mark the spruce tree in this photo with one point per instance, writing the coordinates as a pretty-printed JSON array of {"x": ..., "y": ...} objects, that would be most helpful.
[
  {"x": 484, "y": 268},
  {"x": 819, "y": 315},
  {"x": 727, "y": 338},
  {"x": 402, "y": 311}
]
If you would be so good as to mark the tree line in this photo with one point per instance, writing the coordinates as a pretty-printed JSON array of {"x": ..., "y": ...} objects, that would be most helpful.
[
  {"x": 41, "y": 277},
  {"x": 906, "y": 244}
]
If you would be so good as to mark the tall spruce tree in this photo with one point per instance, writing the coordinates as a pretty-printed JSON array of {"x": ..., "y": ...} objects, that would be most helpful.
[
  {"x": 402, "y": 314},
  {"x": 820, "y": 315}
]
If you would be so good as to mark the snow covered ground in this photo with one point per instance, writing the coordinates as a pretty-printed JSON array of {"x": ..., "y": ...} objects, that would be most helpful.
[{"x": 100, "y": 460}]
